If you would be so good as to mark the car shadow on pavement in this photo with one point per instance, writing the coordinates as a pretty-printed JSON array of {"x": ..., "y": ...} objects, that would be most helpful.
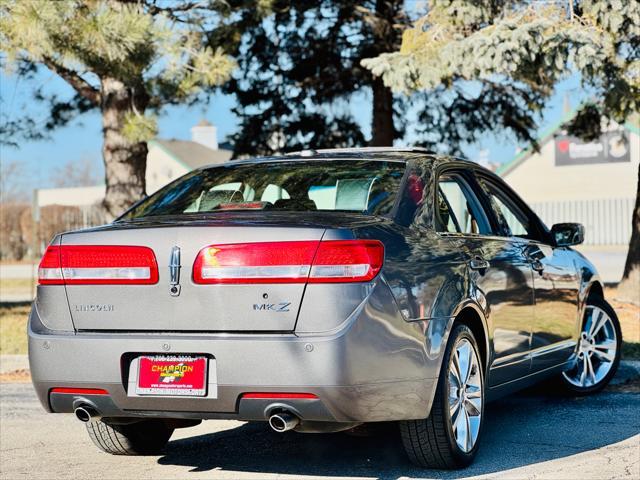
[{"x": 520, "y": 430}]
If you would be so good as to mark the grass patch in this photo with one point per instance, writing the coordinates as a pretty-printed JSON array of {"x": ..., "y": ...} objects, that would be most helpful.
[
  {"x": 16, "y": 285},
  {"x": 13, "y": 329},
  {"x": 629, "y": 316}
]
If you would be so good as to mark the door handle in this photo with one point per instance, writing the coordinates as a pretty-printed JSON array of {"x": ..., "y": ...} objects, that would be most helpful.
[{"x": 478, "y": 263}]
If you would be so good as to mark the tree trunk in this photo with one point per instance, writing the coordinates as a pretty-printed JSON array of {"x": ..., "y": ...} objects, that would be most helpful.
[
  {"x": 383, "y": 131},
  {"x": 629, "y": 287},
  {"x": 125, "y": 162},
  {"x": 389, "y": 15}
]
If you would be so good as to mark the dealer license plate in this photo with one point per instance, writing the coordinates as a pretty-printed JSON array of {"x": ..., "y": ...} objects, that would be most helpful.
[{"x": 172, "y": 376}]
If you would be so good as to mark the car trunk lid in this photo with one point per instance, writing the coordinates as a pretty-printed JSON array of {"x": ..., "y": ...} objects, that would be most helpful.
[{"x": 263, "y": 307}]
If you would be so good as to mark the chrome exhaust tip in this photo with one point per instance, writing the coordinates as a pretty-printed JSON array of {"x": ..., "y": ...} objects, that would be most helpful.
[
  {"x": 86, "y": 414},
  {"x": 282, "y": 422}
]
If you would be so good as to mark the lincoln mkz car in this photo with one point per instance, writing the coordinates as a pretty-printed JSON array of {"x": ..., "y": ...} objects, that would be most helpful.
[{"x": 318, "y": 291}]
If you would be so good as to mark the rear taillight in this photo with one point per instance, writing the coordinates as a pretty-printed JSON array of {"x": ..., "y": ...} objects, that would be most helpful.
[
  {"x": 347, "y": 261},
  {"x": 331, "y": 261},
  {"x": 97, "y": 264},
  {"x": 49, "y": 270}
]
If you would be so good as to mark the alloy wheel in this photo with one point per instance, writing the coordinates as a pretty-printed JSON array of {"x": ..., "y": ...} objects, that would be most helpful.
[
  {"x": 465, "y": 394},
  {"x": 596, "y": 350}
]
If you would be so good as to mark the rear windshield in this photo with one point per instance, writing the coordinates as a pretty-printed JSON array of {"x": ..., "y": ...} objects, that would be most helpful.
[{"x": 368, "y": 187}]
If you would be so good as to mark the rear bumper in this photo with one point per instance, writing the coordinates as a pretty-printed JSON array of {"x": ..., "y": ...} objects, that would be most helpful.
[{"x": 358, "y": 375}]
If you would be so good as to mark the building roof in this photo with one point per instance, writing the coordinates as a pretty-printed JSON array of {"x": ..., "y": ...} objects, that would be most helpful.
[
  {"x": 191, "y": 154},
  {"x": 632, "y": 125}
]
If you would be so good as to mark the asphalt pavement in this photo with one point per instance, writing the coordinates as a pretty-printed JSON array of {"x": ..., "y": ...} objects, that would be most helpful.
[{"x": 528, "y": 435}]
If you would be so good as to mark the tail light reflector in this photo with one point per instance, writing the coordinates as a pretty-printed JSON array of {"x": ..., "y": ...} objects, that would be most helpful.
[
  {"x": 97, "y": 264},
  {"x": 80, "y": 391},
  {"x": 280, "y": 395},
  {"x": 329, "y": 261}
]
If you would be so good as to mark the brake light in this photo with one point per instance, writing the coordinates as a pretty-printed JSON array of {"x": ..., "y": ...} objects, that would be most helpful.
[
  {"x": 242, "y": 206},
  {"x": 329, "y": 261},
  {"x": 97, "y": 265}
]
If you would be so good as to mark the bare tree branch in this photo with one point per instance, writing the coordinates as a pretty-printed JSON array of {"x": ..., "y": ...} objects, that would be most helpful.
[{"x": 79, "y": 84}]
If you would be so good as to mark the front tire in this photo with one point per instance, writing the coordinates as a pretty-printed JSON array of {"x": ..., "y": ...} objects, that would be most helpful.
[
  {"x": 598, "y": 351},
  {"x": 449, "y": 437},
  {"x": 148, "y": 437}
]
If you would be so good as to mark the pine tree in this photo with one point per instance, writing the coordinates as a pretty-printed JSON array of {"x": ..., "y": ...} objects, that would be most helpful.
[
  {"x": 300, "y": 67},
  {"x": 127, "y": 59},
  {"x": 526, "y": 48}
]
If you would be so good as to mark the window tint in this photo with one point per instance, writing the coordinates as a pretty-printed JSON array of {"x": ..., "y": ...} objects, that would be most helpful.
[
  {"x": 457, "y": 210},
  {"x": 512, "y": 221},
  {"x": 346, "y": 185}
]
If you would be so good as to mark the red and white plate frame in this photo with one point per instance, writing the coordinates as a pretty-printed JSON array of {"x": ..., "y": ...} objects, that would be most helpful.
[{"x": 182, "y": 391}]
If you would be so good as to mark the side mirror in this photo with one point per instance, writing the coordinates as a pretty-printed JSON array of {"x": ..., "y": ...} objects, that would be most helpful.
[{"x": 567, "y": 234}]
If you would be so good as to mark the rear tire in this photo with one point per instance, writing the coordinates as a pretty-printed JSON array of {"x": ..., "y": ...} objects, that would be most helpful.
[
  {"x": 148, "y": 437},
  {"x": 434, "y": 441}
]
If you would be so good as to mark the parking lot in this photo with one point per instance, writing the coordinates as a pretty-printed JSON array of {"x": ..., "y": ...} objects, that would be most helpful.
[{"x": 535, "y": 434}]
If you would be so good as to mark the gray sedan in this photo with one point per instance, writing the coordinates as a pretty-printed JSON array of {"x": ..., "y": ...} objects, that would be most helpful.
[{"x": 318, "y": 291}]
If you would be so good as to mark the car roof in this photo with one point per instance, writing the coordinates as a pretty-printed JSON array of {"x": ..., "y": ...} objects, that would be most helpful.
[{"x": 397, "y": 154}]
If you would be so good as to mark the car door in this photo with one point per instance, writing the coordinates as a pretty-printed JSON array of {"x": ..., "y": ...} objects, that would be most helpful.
[
  {"x": 499, "y": 270},
  {"x": 555, "y": 277}
]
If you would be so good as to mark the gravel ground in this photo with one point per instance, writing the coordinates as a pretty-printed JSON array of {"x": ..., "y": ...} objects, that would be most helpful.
[{"x": 528, "y": 435}]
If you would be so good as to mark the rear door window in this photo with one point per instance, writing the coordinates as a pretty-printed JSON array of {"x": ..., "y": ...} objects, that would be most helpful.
[{"x": 457, "y": 209}]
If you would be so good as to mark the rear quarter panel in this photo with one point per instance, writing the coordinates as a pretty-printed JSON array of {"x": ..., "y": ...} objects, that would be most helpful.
[{"x": 405, "y": 314}]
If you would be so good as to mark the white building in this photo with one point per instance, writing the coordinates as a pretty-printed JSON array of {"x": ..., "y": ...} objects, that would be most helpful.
[
  {"x": 170, "y": 159},
  {"x": 593, "y": 183},
  {"x": 166, "y": 161}
]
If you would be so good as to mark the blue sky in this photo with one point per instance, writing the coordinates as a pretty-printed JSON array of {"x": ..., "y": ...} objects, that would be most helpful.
[{"x": 81, "y": 140}]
